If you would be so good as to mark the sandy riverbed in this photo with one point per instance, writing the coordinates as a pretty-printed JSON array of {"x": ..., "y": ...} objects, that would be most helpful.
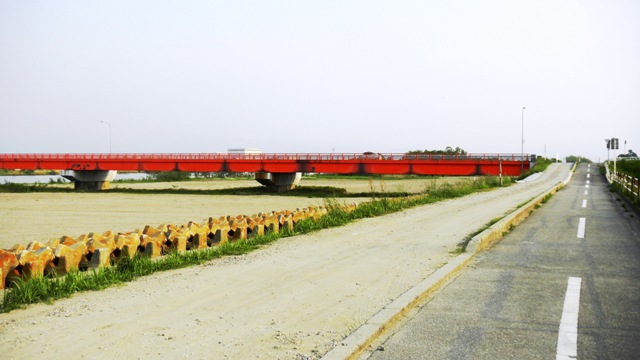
[
  {"x": 294, "y": 299},
  {"x": 26, "y": 217}
]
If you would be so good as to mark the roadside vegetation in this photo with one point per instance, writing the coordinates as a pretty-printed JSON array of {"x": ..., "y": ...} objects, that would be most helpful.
[
  {"x": 447, "y": 151},
  {"x": 540, "y": 165},
  {"x": 628, "y": 167},
  {"x": 47, "y": 289},
  {"x": 576, "y": 159},
  {"x": 462, "y": 246},
  {"x": 5, "y": 172}
]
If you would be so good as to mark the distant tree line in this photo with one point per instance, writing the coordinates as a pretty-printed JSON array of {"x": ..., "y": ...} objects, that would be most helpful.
[
  {"x": 447, "y": 151},
  {"x": 575, "y": 158}
]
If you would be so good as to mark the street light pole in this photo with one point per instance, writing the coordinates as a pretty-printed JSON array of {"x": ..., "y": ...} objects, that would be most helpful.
[
  {"x": 106, "y": 122},
  {"x": 522, "y": 145}
]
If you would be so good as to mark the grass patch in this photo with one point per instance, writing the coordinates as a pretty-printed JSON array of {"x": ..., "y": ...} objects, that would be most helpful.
[
  {"x": 462, "y": 246},
  {"x": 36, "y": 187},
  {"x": 540, "y": 165},
  {"x": 546, "y": 198},
  {"x": 47, "y": 289}
]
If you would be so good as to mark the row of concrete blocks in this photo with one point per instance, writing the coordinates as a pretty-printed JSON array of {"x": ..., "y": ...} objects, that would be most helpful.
[{"x": 93, "y": 251}]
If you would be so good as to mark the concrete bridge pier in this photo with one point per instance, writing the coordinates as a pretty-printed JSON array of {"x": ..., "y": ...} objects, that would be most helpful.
[
  {"x": 279, "y": 182},
  {"x": 90, "y": 180}
]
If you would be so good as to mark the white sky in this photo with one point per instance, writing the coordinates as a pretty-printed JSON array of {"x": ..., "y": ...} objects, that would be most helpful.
[{"x": 319, "y": 76}]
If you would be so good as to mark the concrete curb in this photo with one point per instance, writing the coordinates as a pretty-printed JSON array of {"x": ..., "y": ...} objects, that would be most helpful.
[{"x": 354, "y": 344}]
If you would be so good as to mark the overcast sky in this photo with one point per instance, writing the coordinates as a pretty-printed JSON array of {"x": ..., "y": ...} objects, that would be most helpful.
[{"x": 319, "y": 76}]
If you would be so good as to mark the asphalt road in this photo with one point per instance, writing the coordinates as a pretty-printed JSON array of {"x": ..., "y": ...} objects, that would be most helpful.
[{"x": 572, "y": 267}]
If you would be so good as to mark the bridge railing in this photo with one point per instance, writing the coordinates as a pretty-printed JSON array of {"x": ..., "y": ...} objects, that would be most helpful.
[{"x": 264, "y": 156}]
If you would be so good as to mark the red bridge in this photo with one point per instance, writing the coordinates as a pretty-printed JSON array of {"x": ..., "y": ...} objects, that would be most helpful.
[{"x": 269, "y": 167}]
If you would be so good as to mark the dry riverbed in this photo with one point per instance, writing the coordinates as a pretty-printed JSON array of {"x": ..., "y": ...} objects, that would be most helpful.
[
  {"x": 297, "y": 298},
  {"x": 26, "y": 217}
]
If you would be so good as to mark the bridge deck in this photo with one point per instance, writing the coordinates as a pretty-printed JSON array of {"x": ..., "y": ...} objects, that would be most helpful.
[{"x": 369, "y": 163}]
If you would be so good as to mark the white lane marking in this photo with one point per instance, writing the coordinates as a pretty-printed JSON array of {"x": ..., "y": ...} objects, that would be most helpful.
[
  {"x": 568, "y": 333},
  {"x": 588, "y": 181},
  {"x": 588, "y": 176},
  {"x": 586, "y": 192},
  {"x": 584, "y": 203},
  {"x": 581, "y": 227},
  {"x": 587, "y": 186}
]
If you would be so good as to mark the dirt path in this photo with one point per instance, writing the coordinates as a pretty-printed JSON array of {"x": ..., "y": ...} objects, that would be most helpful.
[{"x": 299, "y": 296}]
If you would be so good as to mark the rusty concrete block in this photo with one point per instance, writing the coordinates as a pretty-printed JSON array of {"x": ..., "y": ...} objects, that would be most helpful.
[
  {"x": 34, "y": 245},
  {"x": 69, "y": 257},
  {"x": 159, "y": 238},
  {"x": 33, "y": 269},
  {"x": 129, "y": 240},
  {"x": 240, "y": 233},
  {"x": 15, "y": 248},
  {"x": 129, "y": 251},
  {"x": 153, "y": 249},
  {"x": 101, "y": 243},
  {"x": 101, "y": 258},
  {"x": 237, "y": 229},
  {"x": 53, "y": 243},
  {"x": 255, "y": 227},
  {"x": 200, "y": 241},
  {"x": 66, "y": 264},
  {"x": 66, "y": 240},
  {"x": 128, "y": 244},
  {"x": 195, "y": 228},
  {"x": 82, "y": 238},
  {"x": 151, "y": 231},
  {"x": 272, "y": 227},
  {"x": 298, "y": 216},
  {"x": 218, "y": 236},
  {"x": 44, "y": 254},
  {"x": 271, "y": 223},
  {"x": 176, "y": 239},
  {"x": 179, "y": 243},
  {"x": 285, "y": 221},
  {"x": 8, "y": 262},
  {"x": 255, "y": 230}
]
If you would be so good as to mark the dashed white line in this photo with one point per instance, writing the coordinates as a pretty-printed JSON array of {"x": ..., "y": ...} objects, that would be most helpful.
[
  {"x": 581, "y": 227},
  {"x": 586, "y": 192},
  {"x": 568, "y": 333},
  {"x": 584, "y": 203},
  {"x": 587, "y": 181},
  {"x": 588, "y": 176}
]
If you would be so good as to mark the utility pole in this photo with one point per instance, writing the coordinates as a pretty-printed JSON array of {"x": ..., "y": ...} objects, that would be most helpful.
[{"x": 522, "y": 145}]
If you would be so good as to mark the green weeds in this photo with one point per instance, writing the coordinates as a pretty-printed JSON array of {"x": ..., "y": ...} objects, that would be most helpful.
[{"x": 462, "y": 246}]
